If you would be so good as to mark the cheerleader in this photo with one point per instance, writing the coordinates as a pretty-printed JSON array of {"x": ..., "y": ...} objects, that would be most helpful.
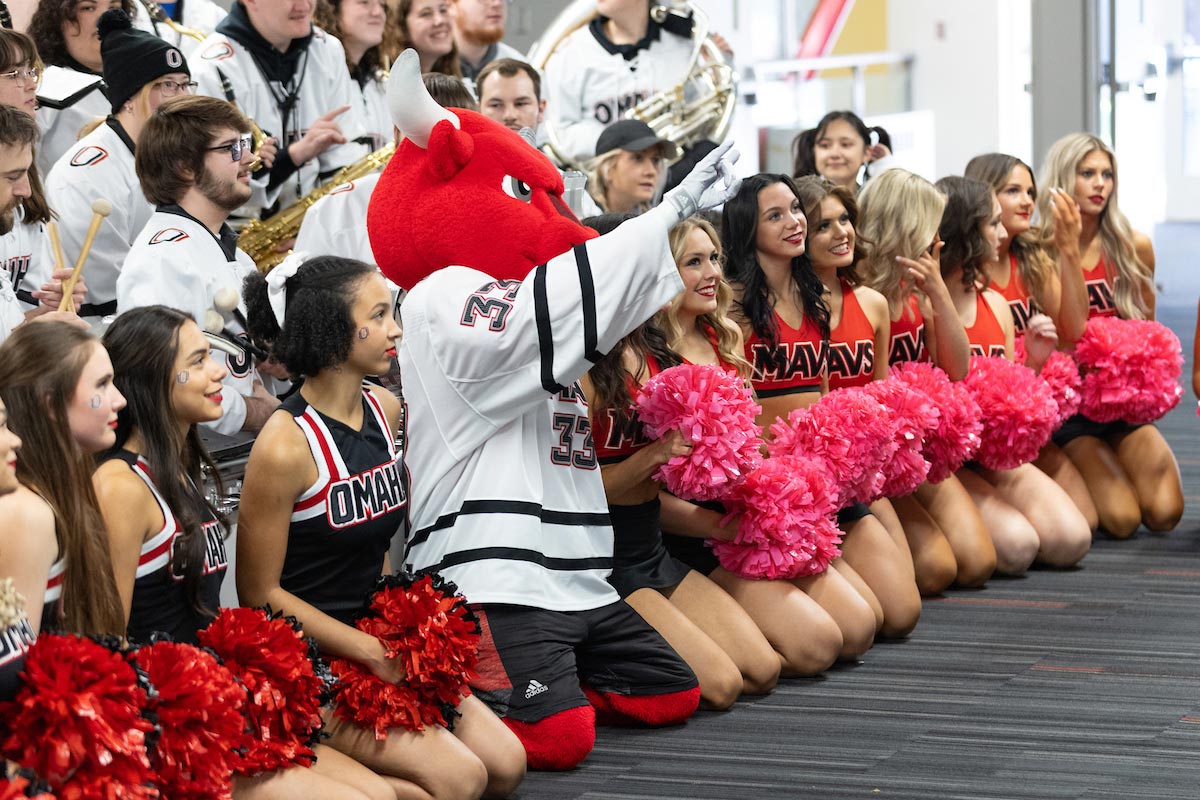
[
  {"x": 839, "y": 148},
  {"x": 900, "y": 213},
  {"x": 875, "y": 545},
  {"x": 1024, "y": 274},
  {"x": 708, "y": 629},
  {"x": 786, "y": 326},
  {"x": 426, "y": 26},
  {"x": 330, "y": 321},
  {"x": 360, "y": 25},
  {"x": 56, "y": 382},
  {"x": 1129, "y": 470},
  {"x": 1028, "y": 515},
  {"x": 167, "y": 540},
  {"x": 698, "y": 330},
  {"x": 18, "y": 633}
]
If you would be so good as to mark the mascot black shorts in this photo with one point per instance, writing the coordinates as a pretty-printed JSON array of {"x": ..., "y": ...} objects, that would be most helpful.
[{"x": 532, "y": 661}]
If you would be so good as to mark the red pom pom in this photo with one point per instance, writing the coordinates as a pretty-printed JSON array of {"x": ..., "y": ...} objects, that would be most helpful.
[
  {"x": 955, "y": 438},
  {"x": 272, "y": 660},
  {"x": 1061, "y": 374},
  {"x": 1131, "y": 370},
  {"x": 22, "y": 786},
  {"x": 425, "y": 624},
  {"x": 915, "y": 417},
  {"x": 1019, "y": 411},
  {"x": 77, "y": 721},
  {"x": 715, "y": 411},
  {"x": 850, "y": 432},
  {"x": 787, "y": 528},
  {"x": 200, "y": 708}
]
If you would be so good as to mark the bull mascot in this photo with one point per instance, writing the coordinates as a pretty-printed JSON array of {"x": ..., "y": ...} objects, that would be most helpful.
[{"x": 510, "y": 299}]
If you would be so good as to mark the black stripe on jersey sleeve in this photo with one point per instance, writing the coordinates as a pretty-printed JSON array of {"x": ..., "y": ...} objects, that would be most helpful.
[
  {"x": 548, "y": 516},
  {"x": 541, "y": 312},
  {"x": 520, "y": 554},
  {"x": 587, "y": 290}
]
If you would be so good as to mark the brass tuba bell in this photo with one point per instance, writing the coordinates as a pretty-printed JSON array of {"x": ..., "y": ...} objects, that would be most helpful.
[{"x": 699, "y": 107}]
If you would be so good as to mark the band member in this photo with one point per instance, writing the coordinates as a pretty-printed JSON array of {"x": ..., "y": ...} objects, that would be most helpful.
[
  {"x": 510, "y": 92},
  {"x": 194, "y": 164},
  {"x": 72, "y": 91},
  {"x": 631, "y": 161},
  {"x": 427, "y": 26},
  {"x": 605, "y": 68},
  {"x": 478, "y": 29},
  {"x": 359, "y": 26},
  {"x": 290, "y": 77},
  {"x": 141, "y": 72}
]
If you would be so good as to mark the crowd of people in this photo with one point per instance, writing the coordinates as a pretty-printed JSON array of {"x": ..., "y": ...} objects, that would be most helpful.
[{"x": 137, "y": 147}]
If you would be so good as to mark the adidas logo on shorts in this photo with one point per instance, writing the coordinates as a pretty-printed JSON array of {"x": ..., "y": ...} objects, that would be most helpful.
[{"x": 535, "y": 688}]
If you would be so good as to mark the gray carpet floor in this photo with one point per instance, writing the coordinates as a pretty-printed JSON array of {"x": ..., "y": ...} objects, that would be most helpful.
[{"x": 1062, "y": 684}]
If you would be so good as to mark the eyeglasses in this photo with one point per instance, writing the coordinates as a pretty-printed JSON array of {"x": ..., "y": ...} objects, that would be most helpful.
[
  {"x": 28, "y": 75},
  {"x": 236, "y": 147},
  {"x": 171, "y": 88}
]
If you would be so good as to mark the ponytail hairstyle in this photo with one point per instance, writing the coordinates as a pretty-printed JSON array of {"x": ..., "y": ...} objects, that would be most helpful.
[
  {"x": 143, "y": 344},
  {"x": 729, "y": 337},
  {"x": 804, "y": 145},
  {"x": 1034, "y": 263},
  {"x": 739, "y": 231},
  {"x": 968, "y": 208},
  {"x": 318, "y": 330},
  {"x": 900, "y": 214},
  {"x": 812, "y": 191},
  {"x": 40, "y": 366},
  {"x": 1131, "y": 277}
]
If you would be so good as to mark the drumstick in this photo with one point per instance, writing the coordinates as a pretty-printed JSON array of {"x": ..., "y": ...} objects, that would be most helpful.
[
  {"x": 100, "y": 209},
  {"x": 57, "y": 252}
]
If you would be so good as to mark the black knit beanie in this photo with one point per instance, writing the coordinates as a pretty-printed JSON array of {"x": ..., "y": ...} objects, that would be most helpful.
[{"x": 133, "y": 58}]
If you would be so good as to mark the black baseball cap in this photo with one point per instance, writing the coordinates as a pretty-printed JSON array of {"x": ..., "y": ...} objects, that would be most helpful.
[{"x": 633, "y": 135}]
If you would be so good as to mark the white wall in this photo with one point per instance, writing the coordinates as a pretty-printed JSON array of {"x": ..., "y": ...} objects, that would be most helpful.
[{"x": 969, "y": 71}]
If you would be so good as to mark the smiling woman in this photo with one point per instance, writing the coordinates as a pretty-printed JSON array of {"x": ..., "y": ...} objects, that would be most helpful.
[
  {"x": 630, "y": 165},
  {"x": 427, "y": 26}
]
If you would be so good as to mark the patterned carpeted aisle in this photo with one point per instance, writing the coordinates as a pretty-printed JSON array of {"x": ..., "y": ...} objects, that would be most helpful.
[{"x": 1077, "y": 684}]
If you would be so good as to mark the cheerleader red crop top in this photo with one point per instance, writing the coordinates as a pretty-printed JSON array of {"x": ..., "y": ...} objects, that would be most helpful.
[
  {"x": 851, "y": 345},
  {"x": 1099, "y": 288},
  {"x": 908, "y": 336},
  {"x": 792, "y": 365},
  {"x": 986, "y": 336},
  {"x": 617, "y": 432},
  {"x": 1017, "y": 294}
]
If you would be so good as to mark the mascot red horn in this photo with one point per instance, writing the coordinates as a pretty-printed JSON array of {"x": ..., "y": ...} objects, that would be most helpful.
[{"x": 510, "y": 301}]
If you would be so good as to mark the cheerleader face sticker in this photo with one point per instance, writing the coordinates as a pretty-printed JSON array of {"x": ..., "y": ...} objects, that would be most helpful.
[
  {"x": 92, "y": 410},
  {"x": 196, "y": 395}
]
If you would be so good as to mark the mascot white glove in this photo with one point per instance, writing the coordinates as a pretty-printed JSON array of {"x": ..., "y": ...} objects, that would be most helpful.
[{"x": 709, "y": 184}]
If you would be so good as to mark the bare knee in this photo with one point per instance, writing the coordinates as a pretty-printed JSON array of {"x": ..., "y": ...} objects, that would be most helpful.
[
  {"x": 815, "y": 653},
  {"x": 1163, "y": 517},
  {"x": 1120, "y": 520},
  {"x": 720, "y": 687},
  {"x": 902, "y": 616},
  {"x": 1018, "y": 552},
  {"x": 465, "y": 779},
  {"x": 934, "y": 574},
  {"x": 858, "y": 634},
  {"x": 1069, "y": 545},
  {"x": 506, "y": 770},
  {"x": 762, "y": 676},
  {"x": 975, "y": 568}
]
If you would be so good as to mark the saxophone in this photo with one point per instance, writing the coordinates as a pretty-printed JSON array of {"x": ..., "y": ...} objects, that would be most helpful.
[{"x": 260, "y": 239}]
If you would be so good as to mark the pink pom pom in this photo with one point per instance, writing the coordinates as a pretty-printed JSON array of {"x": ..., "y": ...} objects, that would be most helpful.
[
  {"x": 915, "y": 417},
  {"x": 1061, "y": 374},
  {"x": 1131, "y": 370},
  {"x": 787, "y": 528},
  {"x": 714, "y": 410},
  {"x": 1019, "y": 411},
  {"x": 849, "y": 431},
  {"x": 955, "y": 438}
]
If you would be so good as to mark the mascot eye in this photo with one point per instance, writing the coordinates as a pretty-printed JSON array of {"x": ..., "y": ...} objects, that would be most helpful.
[{"x": 517, "y": 188}]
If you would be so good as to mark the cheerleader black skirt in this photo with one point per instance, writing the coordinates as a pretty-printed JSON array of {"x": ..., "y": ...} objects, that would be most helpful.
[{"x": 640, "y": 560}]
